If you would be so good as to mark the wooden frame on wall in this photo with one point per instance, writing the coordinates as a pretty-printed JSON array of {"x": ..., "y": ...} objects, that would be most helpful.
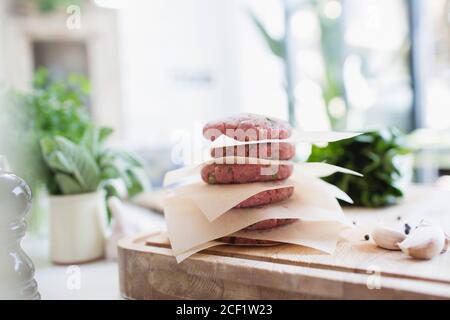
[{"x": 98, "y": 32}]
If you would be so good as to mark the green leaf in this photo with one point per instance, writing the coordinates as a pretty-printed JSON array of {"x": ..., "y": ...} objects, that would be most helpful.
[
  {"x": 111, "y": 190},
  {"x": 105, "y": 133},
  {"x": 139, "y": 181},
  {"x": 90, "y": 141},
  {"x": 130, "y": 158},
  {"x": 58, "y": 162},
  {"x": 373, "y": 154},
  {"x": 275, "y": 45},
  {"x": 48, "y": 145},
  {"x": 67, "y": 184},
  {"x": 84, "y": 167},
  {"x": 109, "y": 172}
]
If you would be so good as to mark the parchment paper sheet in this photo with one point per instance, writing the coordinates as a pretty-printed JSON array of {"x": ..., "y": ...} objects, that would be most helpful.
[
  {"x": 188, "y": 227},
  {"x": 198, "y": 214},
  {"x": 215, "y": 200},
  {"x": 297, "y": 136},
  {"x": 182, "y": 256},
  {"x": 322, "y": 236}
]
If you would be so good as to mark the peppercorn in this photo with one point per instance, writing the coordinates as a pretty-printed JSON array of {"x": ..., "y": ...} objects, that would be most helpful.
[{"x": 407, "y": 228}]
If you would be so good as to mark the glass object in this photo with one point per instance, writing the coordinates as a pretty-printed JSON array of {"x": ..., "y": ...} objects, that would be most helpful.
[{"x": 16, "y": 268}]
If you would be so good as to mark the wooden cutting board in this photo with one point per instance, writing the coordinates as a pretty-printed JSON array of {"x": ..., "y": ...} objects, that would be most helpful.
[{"x": 357, "y": 270}]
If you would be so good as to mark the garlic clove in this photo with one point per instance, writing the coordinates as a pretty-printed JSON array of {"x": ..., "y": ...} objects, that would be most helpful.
[
  {"x": 447, "y": 242},
  {"x": 424, "y": 242},
  {"x": 387, "y": 237}
]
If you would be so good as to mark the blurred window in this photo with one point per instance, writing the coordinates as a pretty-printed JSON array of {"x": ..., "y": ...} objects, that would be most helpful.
[
  {"x": 376, "y": 68},
  {"x": 437, "y": 86}
]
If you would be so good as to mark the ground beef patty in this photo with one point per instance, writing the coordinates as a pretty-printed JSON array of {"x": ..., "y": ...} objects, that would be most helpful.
[
  {"x": 262, "y": 225},
  {"x": 245, "y": 241},
  {"x": 275, "y": 151},
  {"x": 243, "y": 173},
  {"x": 248, "y": 127},
  {"x": 270, "y": 224},
  {"x": 267, "y": 197}
]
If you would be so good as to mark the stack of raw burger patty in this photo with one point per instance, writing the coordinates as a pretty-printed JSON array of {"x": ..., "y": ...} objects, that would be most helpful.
[{"x": 261, "y": 128}]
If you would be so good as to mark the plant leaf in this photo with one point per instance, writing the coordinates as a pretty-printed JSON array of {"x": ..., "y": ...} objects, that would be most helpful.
[
  {"x": 67, "y": 184},
  {"x": 275, "y": 45},
  {"x": 48, "y": 145},
  {"x": 90, "y": 141},
  {"x": 131, "y": 159},
  {"x": 85, "y": 169},
  {"x": 372, "y": 153},
  {"x": 58, "y": 162},
  {"x": 104, "y": 134},
  {"x": 139, "y": 181}
]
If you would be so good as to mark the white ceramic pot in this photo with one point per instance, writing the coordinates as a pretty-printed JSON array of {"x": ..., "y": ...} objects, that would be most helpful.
[{"x": 77, "y": 227}]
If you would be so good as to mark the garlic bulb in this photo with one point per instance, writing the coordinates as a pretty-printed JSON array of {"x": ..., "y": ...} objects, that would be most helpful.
[
  {"x": 424, "y": 242},
  {"x": 387, "y": 237}
]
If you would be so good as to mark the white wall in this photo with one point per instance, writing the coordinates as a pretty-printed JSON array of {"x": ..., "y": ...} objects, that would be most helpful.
[
  {"x": 166, "y": 42},
  {"x": 261, "y": 72},
  {"x": 3, "y": 5}
]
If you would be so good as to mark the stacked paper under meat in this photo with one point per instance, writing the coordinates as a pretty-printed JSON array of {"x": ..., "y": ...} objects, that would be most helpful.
[{"x": 198, "y": 213}]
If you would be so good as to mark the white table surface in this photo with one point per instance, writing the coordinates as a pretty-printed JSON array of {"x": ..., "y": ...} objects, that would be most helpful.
[{"x": 95, "y": 280}]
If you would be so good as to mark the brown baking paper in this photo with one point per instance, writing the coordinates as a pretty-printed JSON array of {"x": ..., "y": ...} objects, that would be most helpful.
[{"x": 188, "y": 227}]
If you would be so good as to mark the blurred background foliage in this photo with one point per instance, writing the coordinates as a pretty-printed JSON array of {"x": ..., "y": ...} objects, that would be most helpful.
[
  {"x": 56, "y": 110},
  {"x": 381, "y": 156},
  {"x": 53, "y": 107},
  {"x": 47, "y": 6},
  {"x": 331, "y": 48}
]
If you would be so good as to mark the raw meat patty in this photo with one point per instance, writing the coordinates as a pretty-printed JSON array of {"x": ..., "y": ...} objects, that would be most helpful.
[
  {"x": 262, "y": 225},
  {"x": 267, "y": 197},
  {"x": 243, "y": 173},
  {"x": 248, "y": 127},
  {"x": 270, "y": 224},
  {"x": 244, "y": 241},
  {"x": 274, "y": 151}
]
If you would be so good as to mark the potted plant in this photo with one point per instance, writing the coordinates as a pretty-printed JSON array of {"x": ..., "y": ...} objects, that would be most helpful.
[
  {"x": 55, "y": 106},
  {"x": 54, "y": 144},
  {"x": 83, "y": 174}
]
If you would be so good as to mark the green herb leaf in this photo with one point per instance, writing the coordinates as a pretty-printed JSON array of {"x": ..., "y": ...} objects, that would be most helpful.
[
  {"x": 275, "y": 45},
  {"x": 67, "y": 184},
  {"x": 373, "y": 154}
]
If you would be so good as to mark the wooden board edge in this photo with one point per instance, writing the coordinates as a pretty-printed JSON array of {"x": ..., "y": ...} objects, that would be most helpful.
[{"x": 150, "y": 265}]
